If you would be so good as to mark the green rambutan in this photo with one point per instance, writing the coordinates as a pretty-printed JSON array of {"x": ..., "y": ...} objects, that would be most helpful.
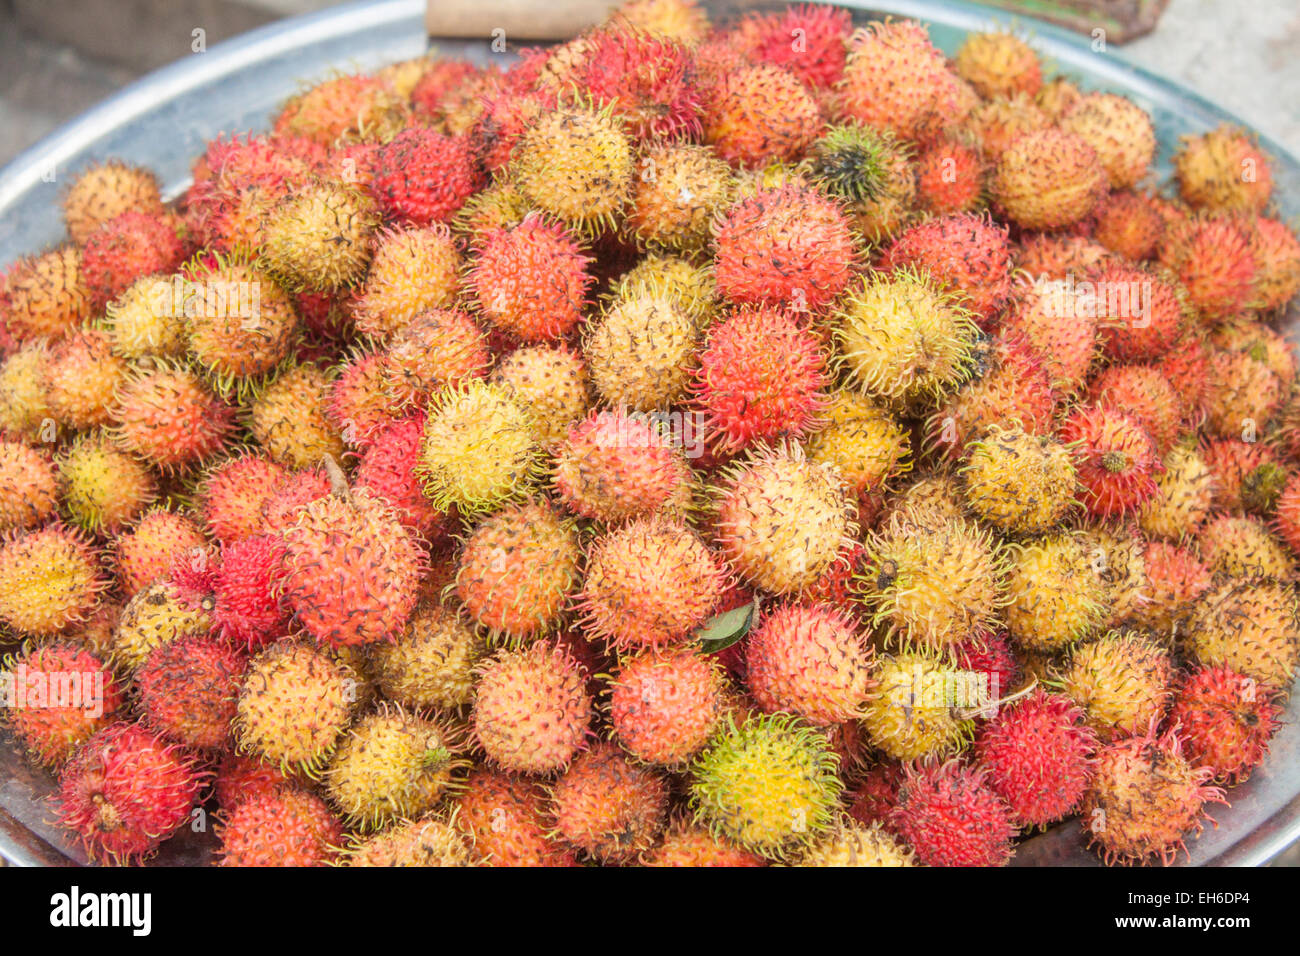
[
  {"x": 1018, "y": 482},
  {"x": 768, "y": 784},
  {"x": 915, "y": 710},
  {"x": 104, "y": 488},
  {"x": 479, "y": 449},
  {"x": 1056, "y": 592},
  {"x": 319, "y": 238},
  {"x": 49, "y": 578}
]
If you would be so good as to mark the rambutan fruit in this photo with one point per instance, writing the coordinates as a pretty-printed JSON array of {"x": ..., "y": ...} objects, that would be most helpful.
[
  {"x": 1184, "y": 494},
  {"x": 531, "y": 709},
  {"x": 1252, "y": 627},
  {"x": 1286, "y": 521},
  {"x": 914, "y": 711},
  {"x": 682, "y": 20},
  {"x": 933, "y": 497},
  {"x": 607, "y": 807},
  {"x": 247, "y": 608},
  {"x": 141, "y": 321},
  {"x": 761, "y": 378},
  {"x": 576, "y": 163},
  {"x": 649, "y": 583},
  {"x": 895, "y": 80},
  {"x": 46, "y": 295},
  {"x": 423, "y": 177},
  {"x": 688, "y": 844},
  {"x": 1140, "y": 314},
  {"x": 437, "y": 348},
  {"x": 1213, "y": 260},
  {"x": 1240, "y": 546},
  {"x": 1176, "y": 577},
  {"x": 229, "y": 497},
  {"x": 950, "y": 815},
  {"x": 165, "y": 415},
  {"x": 1144, "y": 798},
  {"x": 105, "y": 191},
  {"x": 240, "y": 778},
  {"x": 144, "y": 552},
  {"x": 1242, "y": 395},
  {"x": 358, "y": 403},
  {"x": 126, "y": 248},
  {"x": 342, "y": 108},
  {"x": 808, "y": 39},
  {"x": 1048, "y": 179},
  {"x": 851, "y": 844},
  {"x": 431, "y": 665},
  {"x": 1187, "y": 366},
  {"x": 428, "y": 841},
  {"x": 1129, "y": 224},
  {"x": 509, "y": 821},
  {"x": 963, "y": 253},
  {"x": 552, "y": 381},
  {"x": 60, "y": 695},
  {"x": 641, "y": 351},
  {"x": 998, "y": 63},
  {"x": 788, "y": 246},
  {"x": 387, "y": 470},
  {"x": 1223, "y": 170},
  {"x": 286, "y": 827},
  {"x": 413, "y": 270},
  {"x": 613, "y": 466},
  {"x": 438, "y": 78},
  {"x": 320, "y": 237},
  {"x": 479, "y": 448},
  {"x": 104, "y": 488},
  {"x": 351, "y": 570},
  {"x": 388, "y": 766},
  {"x": 294, "y": 703},
  {"x": 1123, "y": 681},
  {"x": 902, "y": 338},
  {"x": 854, "y": 163},
  {"x": 159, "y": 614},
  {"x": 1145, "y": 394},
  {"x": 280, "y": 510},
  {"x": 29, "y": 486},
  {"x": 988, "y": 655},
  {"x": 1244, "y": 334},
  {"x": 1119, "y": 130},
  {"x": 125, "y": 791},
  {"x": 931, "y": 579},
  {"x": 501, "y": 205},
  {"x": 1276, "y": 251},
  {"x": 756, "y": 114},
  {"x": 692, "y": 286},
  {"x": 809, "y": 660},
  {"x": 1036, "y": 753},
  {"x": 1012, "y": 388},
  {"x": 24, "y": 408},
  {"x": 1018, "y": 482},
  {"x": 1224, "y": 720},
  {"x": 665, "y": 705},
  {"x": 49, "y": 578},
  {"x": 865, "y": 445},
  {"x": 768, "y": 785},
  {"x": 187, "y": 690},
  {"x": 1058, "y": 320},
  {"x": 1056, "y": 592},
  {"x": 1117, "y": 550},
  {"x": 1058, "y": 96},
  {"x": 997, "y": 123},
  {"x": 781, "y": 519},
  {"x": 518, "y": 568},
  {"x": 287, "y": 417},
  {"x": 1056, "y": 255},
  {"x": 531, "y": 280},
  {"x": 676, "y": 195},
  {"x": 80, "y": 378},
  {"x": 949, "y": 178},
  {"x": 1115, "y": 459},
  {"x": 648, "y": 81}
]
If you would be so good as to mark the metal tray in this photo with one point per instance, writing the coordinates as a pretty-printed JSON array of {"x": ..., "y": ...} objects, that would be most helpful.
[{"x": 163, "y": 120}]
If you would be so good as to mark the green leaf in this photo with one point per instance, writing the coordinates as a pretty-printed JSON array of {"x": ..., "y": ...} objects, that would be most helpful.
[{"x": 723, "y": 630}]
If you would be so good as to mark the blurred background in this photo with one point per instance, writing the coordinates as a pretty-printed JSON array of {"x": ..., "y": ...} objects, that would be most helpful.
[{"x": 59, "y": 57}]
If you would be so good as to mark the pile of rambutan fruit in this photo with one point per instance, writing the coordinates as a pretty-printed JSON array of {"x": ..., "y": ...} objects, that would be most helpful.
[{"x": 770, "y": 442}]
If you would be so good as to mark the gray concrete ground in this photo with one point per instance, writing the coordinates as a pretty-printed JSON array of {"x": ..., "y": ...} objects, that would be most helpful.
[{"x": 59, "y": 57}]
